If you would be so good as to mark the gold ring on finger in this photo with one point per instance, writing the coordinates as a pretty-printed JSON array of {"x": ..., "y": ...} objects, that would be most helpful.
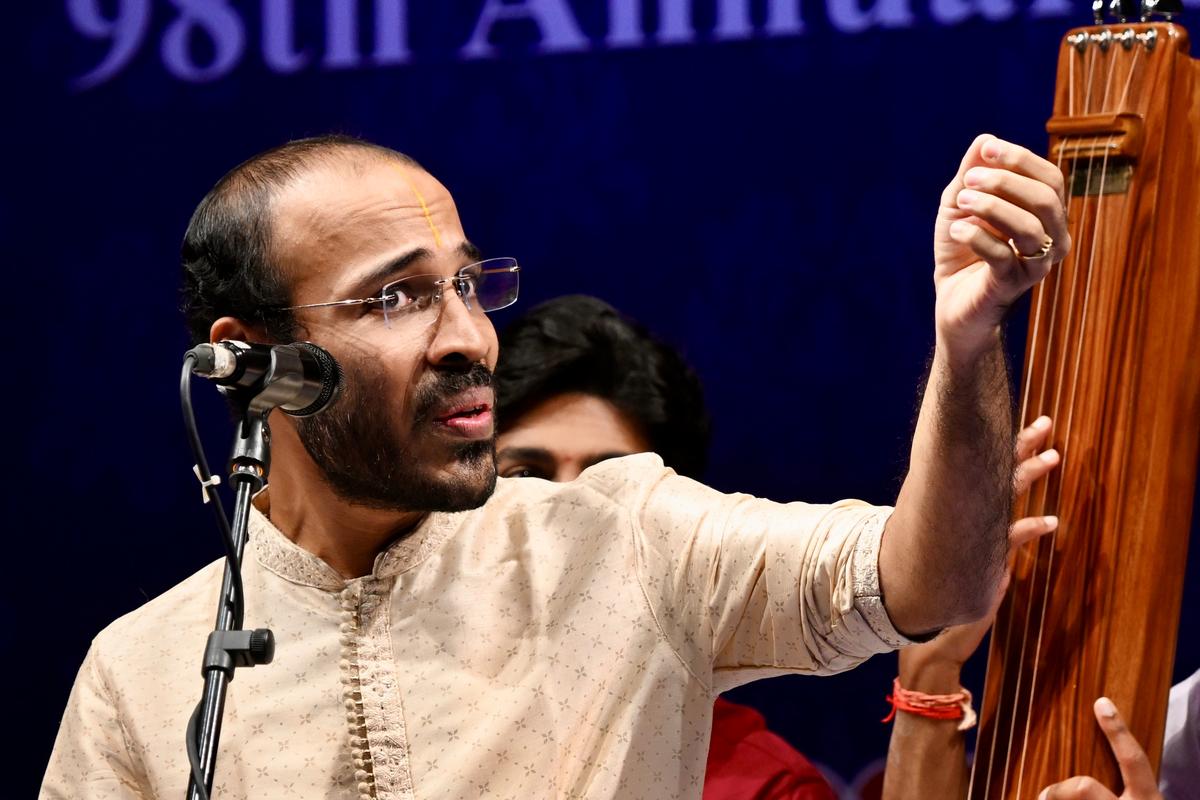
[{"x": 1047, "y": 246}]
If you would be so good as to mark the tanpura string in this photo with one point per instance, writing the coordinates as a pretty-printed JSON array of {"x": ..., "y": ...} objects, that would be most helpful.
[
  {"x": 1121, "y": 533},
  {"x": 1028, "y": 501},
  {"x": 1137, "y": 51},
  {"x": 1078, "y": 346},
  {"x": 1041, "y": 294},
  {"x": 1053, "y": 387},
  {"x": 1067, "y": 451}
]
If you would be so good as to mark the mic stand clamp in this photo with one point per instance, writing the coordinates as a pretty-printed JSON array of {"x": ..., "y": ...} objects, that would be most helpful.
[
  {"x": 229, "y": 649},
  {"x": 229, "y": 646}
]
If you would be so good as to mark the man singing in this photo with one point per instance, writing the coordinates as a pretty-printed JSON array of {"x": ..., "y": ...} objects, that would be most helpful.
[{"x": 442, "y": 634}]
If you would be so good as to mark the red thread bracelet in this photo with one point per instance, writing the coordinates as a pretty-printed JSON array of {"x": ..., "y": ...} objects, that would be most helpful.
[{"x": 932, "y": 706}]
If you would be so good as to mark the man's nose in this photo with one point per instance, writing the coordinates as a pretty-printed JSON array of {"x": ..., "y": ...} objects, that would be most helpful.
[{"x": 461, "y": 334}]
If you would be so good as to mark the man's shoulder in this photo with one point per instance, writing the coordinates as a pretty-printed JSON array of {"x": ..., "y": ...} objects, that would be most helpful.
[{"x": 190, "y": 601}]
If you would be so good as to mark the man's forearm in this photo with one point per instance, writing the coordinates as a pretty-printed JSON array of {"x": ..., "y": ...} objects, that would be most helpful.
[
  {"x": 926, "y": 757},
  {"x": 942, "y": 555}
]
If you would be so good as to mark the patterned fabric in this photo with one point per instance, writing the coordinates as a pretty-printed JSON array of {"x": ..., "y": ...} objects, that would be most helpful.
[
  {"x": 565, "y": 640},
  {"x": 748, "y": 762}
]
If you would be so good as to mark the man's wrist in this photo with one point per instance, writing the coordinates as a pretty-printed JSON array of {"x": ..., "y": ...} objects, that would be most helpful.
[
  {"x": 960, "y": 352},
  {"x": 930, "y": 676}
]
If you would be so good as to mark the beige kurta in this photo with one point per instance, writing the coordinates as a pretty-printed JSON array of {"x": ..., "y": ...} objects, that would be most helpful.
[{"x": 565, "y": 640}]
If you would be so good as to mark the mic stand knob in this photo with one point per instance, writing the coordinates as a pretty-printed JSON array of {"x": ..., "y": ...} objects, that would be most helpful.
[{"x": 229, "y": 649}]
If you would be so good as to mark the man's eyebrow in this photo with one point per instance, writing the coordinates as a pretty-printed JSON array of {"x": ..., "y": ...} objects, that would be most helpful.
[
  {"x": 374, "y": 280},
  {"x": 470, "y": 251},
  {"x": 536, "y": 454},
  {"x": 594, "y": 460}
]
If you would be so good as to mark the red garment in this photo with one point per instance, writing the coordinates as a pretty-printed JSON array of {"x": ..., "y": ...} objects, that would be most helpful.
[{"x": 748, "y": 762}]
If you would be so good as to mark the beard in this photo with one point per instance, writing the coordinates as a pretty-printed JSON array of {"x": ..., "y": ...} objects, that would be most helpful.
[{"x": 366, "y": 461}]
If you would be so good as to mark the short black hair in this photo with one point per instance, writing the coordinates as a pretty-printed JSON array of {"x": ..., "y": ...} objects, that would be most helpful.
[
  {"x": 582, "y": 344},
  {"x": 226, "y": 251}
]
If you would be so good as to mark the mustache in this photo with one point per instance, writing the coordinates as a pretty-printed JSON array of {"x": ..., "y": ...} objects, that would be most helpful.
[{"x": 444, "y": 384}]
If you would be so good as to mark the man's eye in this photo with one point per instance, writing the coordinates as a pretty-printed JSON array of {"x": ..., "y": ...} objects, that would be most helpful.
[
  {"x": 397, "y": 300},
  {"x": 521, "y": 471}
]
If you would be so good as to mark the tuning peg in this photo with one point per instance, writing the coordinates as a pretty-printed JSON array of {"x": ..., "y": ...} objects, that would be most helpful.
[
  {"x": 1167, "y": 9},
  {"x": 1125, "y": 10}
]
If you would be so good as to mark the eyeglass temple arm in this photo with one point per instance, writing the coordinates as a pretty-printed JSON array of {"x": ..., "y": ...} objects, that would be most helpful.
[{"x": 358, "y": 302}]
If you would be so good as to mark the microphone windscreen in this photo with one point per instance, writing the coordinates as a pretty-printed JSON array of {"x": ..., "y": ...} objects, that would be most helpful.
[{"x": 331, "y": 379}]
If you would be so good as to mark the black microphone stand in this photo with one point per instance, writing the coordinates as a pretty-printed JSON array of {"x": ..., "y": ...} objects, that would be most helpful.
[{"x": 228, "y": 645}]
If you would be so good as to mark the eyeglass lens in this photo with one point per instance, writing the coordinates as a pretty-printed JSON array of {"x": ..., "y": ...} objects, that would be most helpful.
[{"x": 485, "y": 286}]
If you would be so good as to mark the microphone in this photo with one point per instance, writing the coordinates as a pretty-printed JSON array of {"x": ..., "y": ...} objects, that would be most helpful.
[{"x": 234, "y": 365}]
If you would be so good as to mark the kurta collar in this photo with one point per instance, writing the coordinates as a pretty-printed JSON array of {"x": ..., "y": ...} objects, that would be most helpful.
[{"x": 279, "y": 554}]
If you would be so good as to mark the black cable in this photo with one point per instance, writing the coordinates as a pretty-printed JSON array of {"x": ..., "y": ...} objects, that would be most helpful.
[
  {"x": 218, "y": 508},
  {"x": 193, "y": 753},
  {"x": 210, "y": 491}
]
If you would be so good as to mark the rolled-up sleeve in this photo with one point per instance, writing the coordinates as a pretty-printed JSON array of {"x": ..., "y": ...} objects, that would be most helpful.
[{"x": 745, "y": 588}]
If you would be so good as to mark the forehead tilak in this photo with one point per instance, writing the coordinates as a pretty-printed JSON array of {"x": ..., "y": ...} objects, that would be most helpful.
[{"x": 433, "y": 228}]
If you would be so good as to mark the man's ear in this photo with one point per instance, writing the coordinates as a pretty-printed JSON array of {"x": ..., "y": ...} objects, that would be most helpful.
[{"x": 236, "y": 329}]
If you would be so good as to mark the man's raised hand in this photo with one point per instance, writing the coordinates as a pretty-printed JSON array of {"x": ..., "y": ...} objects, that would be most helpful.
[{"x": 1002, "y": 192}]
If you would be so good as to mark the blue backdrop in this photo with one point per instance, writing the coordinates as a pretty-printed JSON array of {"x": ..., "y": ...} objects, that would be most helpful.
[{"x": 755, "y": 179}]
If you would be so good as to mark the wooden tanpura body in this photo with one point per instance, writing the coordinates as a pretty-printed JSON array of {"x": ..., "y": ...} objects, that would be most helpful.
[{"x": 1113, "y": 355}]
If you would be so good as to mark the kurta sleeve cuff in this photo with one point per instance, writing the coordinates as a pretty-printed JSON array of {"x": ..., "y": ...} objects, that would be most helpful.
[{"x": 868, "y": 595}]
